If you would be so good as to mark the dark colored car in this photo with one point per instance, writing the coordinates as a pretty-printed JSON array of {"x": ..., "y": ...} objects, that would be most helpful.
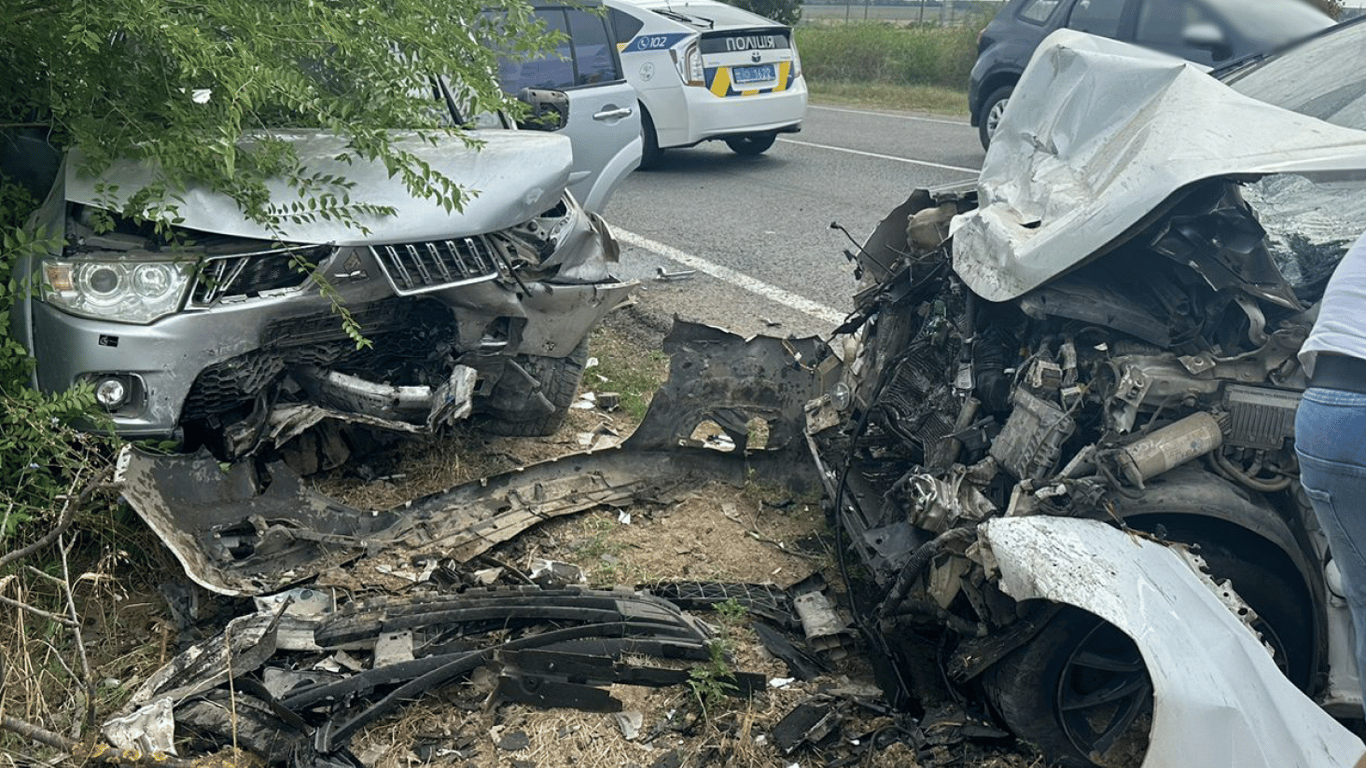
[{"x": 1207, "y": 32}]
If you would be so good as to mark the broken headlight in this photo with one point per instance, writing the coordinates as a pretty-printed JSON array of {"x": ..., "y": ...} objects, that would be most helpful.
[{"x": 125, "y": 291}]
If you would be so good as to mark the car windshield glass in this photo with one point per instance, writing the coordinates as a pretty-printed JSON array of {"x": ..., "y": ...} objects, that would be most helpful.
[
  {"x": 1309, "y": 78},
  {"x": 1269, "y": 23},
  {"x": 1309, "y": 226}
]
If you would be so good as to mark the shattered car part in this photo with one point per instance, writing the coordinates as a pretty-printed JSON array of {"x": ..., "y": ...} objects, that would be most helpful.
[
  {"x": 1219, "y": 700},
  {"x": 764, "y": 600},
  {"x": 205, "y": 333},
  {"x": 550, "y": 647},
  {"x": 150, "y": 730},
  {"x": 250, "y": 529}
]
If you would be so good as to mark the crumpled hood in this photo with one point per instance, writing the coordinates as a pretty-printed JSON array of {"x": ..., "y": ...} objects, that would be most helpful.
[
  {"x": 517, "y": 174},
  {"x": 1098, "y": 134}
]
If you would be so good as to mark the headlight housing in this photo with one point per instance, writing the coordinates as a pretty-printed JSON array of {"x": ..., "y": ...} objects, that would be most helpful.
[{"x": 123, "y": 291}]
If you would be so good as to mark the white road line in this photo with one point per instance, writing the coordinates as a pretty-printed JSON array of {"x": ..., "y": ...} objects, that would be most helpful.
[
  {"x": 860, "y": 152},
  {"x": 771, "y": 292},
  {"x": 895, "y": 115}
]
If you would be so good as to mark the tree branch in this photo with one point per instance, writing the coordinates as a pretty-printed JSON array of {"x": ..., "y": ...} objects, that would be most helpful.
[{"x": 64, "y": 522}]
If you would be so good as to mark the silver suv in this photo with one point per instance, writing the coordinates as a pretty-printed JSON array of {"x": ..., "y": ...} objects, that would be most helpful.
[{"x": 221, "y": 332}]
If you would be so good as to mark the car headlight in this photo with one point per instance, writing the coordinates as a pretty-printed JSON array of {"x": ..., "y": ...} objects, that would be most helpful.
[
  {"x": 690, "y": 64},
  {"x": 119, "y": 291}
]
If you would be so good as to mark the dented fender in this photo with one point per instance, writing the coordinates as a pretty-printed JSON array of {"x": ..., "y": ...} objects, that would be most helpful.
[{"x": 1218, "y": 697}]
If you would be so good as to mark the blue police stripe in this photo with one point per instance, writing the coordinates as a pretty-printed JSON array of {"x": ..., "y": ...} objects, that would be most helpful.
[{"x": 654, "y": 42}]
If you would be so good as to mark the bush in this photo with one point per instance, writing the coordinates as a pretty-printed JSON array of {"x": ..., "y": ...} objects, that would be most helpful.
[
  {"x": 787, "y": 12},
  {"x": 873, "y": 51},
  {"x": 43, "y": 457}
]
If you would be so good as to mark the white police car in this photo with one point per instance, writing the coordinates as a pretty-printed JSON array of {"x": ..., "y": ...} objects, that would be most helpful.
[{"x": 704, "y": 70}]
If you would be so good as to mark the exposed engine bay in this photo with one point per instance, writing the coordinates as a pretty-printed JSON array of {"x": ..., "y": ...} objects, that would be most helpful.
[{"x": 1155, "y": 388}]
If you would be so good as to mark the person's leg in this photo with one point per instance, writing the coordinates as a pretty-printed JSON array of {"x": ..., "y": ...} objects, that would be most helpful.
[{"x": 1330, "y": 438}]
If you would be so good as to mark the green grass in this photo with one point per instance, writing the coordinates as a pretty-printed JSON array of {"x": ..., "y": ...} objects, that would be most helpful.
[
  {"x": 883, "y": 52},
  {"x": 625, "y": 368},
  {"x": 909, "y": 98}
]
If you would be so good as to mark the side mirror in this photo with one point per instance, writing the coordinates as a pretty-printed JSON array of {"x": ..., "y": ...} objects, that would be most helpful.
[
  {"x": 549, "y": 109},
  {"x": 1208, "y": 37}
]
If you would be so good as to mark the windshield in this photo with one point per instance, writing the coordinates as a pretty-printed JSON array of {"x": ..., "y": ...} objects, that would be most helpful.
[
  {"x": 1309, "y": 226},
  {"x": 1321, "y": 78}
]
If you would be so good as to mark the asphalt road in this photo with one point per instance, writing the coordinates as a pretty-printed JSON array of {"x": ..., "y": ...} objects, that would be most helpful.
[{"x": 755, "y": 231}]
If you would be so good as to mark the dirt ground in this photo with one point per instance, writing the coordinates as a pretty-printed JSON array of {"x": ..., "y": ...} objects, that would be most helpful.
[{"x": 756, "y": 534}]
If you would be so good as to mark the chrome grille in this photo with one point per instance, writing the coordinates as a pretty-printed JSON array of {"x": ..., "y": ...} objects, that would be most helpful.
[
  {"x": 418, "y": 267},
  {"x": 246, "y": 275}
]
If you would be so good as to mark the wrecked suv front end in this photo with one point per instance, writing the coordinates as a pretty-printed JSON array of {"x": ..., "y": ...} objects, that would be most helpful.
[
  {"x": 224, "y": 332},
  {"x": 1103, "y": 332}
]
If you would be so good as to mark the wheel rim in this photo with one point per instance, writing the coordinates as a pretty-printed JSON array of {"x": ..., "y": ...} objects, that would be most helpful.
[
  {"x": 994, "y": 116},
  {"x": 1103, "y": 688}
]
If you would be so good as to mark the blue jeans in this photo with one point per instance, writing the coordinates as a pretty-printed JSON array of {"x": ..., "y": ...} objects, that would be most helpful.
[{"x": 1330, "y": 438}]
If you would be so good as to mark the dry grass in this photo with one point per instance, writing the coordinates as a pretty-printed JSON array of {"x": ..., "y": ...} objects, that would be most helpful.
[{"x": 120, "y": 634}]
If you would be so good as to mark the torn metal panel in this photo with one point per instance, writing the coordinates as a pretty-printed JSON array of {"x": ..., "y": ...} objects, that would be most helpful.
[
  {"x": 1059, "y": 186},
  {"x": 1219, "y": 698},
  {"x": 239, "y": 533},
  {"x": 245, "y": 644},
  {"x": 718, "y": 376},
  {"x": 150, "y": 730}
]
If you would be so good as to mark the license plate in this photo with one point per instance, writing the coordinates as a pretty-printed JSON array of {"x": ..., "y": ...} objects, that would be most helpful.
[{"x": 760, "y": 74}]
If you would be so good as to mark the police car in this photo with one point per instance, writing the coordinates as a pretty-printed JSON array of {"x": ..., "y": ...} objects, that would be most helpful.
[{"x": 704, "y": 71}]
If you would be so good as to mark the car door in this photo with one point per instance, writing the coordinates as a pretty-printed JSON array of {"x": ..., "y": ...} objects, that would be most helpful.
[{"x": 603, "y": 120}]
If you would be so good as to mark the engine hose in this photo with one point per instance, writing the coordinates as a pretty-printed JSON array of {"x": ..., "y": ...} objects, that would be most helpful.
[
  {"x": 1113, "y": 482},
  {"x": 920, "y": 560},
  {"x": 1235, "y": 474}
]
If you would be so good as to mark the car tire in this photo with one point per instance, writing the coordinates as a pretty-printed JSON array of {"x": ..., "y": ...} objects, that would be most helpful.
[
  {"x": 650, "y": 152},
  {"x": 559, "y": 377},
  {"x": 749, "y": 146},
  {"x": 1040, "y": 690},
  {"x": 990, "y": 116},
  {"x": 1036, "y": 687}
]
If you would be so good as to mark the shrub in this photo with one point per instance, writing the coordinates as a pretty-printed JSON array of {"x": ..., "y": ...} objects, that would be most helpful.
[
  {"x": 43, "y": 457},
  {"x": 787, "y": 12},
  {"x": 884, "y": 52}
]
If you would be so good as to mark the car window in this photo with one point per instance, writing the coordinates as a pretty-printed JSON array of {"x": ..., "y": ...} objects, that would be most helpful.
[
  {"x": 585, "y": 56},
  {"x": 625, "y": 26},
  {"x": 1270, "y": 23},
  {"x": 594, "y": 57},
  {"x": 1038, "y": 11},
  {"x": 1162, "y": 24},
  {"x": 555, "y": 70},
  {"x": 1099, "y": 17}
]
